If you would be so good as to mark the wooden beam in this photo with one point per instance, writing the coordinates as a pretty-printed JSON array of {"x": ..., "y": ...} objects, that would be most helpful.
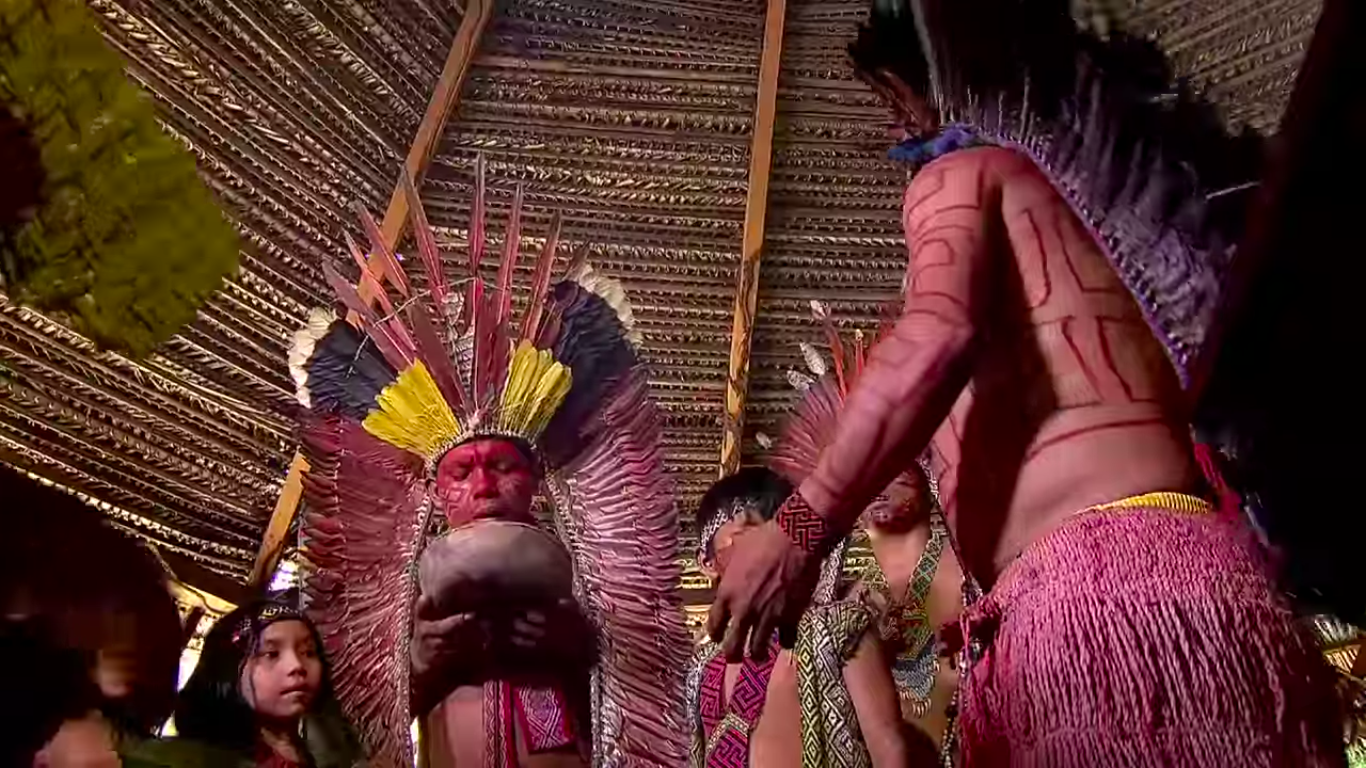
[
  {"x": 281, "y": 520},
  {"x": 752, "y": 242},
  {"x": 445, "y": 98}
]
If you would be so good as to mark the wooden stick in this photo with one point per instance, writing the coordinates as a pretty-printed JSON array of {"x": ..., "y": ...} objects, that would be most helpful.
[
  {"x": 756, "y": 211},
  {"x": 443, "y": 102}
]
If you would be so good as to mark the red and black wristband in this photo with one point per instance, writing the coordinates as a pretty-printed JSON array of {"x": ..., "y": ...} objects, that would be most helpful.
[{"x": 807, "y": 529}]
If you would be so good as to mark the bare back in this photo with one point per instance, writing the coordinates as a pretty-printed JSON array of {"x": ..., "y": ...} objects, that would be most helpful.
[{"x": 1072, "y": 401}]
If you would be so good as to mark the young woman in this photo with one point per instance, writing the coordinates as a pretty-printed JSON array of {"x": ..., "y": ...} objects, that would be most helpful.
[{"x": 259, "y": 698}]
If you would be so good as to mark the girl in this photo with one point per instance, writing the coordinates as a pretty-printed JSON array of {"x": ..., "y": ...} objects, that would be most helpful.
[{"x": 260, "y": 698}]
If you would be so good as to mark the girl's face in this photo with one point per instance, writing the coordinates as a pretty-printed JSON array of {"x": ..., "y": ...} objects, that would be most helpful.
[{"x": 282, "y": 679}]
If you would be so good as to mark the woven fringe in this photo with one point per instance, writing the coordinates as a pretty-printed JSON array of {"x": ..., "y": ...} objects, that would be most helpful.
[{"x": 1141, "y": 638}]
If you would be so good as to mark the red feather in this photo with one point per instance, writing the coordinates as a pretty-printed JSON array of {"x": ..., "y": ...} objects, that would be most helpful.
[
  {"x": 392, "y": 269},
  {"x": 426, "y": 242},
  {"x": 378, "y": 331},
  {"x": 540, "y": 282},
  {"x": 362, "y": 531},
  {"x": 512, "y": 248},
  {"x": 433, "y": 353}
]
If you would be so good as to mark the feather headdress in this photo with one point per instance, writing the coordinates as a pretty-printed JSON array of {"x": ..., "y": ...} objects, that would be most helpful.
[
  {"x": 395, "y": 386},
  {"x": 824, "y": 385},
  {"x": 1151, "y": 173}
]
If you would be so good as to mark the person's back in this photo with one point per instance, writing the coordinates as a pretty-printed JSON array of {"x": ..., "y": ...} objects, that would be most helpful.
[
  {"x": 1072, "y": 402},
  {"x": 1116, "y": 596}
]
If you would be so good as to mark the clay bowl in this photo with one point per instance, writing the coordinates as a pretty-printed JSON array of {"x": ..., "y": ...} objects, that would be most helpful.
[{"x": 495, "y": 565}]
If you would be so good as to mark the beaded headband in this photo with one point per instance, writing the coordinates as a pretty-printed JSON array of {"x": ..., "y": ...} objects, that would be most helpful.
[
  {"x": 737, "y": 507},
  {"x": 252, "y": 623}
]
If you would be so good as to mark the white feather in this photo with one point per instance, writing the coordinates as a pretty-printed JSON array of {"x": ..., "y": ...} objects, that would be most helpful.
[
  {"x": 814, "y": 362},
  {"x": 305, "y": 341},
  {"x": 799, "y": 381},
  {"x": 611, "y": 292}
]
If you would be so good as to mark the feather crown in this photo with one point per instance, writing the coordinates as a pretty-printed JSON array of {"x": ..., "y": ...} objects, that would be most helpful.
[
  {"x": 430, "y": 369},
  {"x": 830, "y": 374}
]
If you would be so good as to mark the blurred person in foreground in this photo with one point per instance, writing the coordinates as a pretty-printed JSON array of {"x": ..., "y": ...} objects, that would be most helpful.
[
  {"x": 829, "y": 701},
  {"x": 260, "y": 697},
  {"x": 89, "y": 633},
  {"x": 1061, "y": 240}
]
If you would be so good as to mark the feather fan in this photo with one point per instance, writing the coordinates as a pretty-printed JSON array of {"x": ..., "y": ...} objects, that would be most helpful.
[
  {"x": 364, "y": 524},
  {"x": 623, "y": 510}
]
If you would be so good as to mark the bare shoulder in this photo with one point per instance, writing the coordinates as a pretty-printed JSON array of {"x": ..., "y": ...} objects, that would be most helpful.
[
  {"x": 990, "y": 159},
  {"x": 961, "y": 183}
]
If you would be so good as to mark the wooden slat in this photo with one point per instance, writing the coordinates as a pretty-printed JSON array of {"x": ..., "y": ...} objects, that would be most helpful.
[
  {"x": 752, "y": 243},
  {"x": 443, "y": 102},
  {"x": 281, "y": 520}
]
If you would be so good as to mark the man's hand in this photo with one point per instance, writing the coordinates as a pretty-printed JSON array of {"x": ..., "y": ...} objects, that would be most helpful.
[
  {"x": 767, "y": 585},
  {"x": 557, "y": 636},
  {"x": 444, "y": 648}
]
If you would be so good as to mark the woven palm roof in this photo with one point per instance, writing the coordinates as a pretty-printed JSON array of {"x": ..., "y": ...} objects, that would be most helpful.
[{"x": 633, "y": 120}]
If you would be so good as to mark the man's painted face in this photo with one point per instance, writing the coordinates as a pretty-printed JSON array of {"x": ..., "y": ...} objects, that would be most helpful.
[
  {"x": 904, "y": 504},
  {"x": 486, "y": 480}
]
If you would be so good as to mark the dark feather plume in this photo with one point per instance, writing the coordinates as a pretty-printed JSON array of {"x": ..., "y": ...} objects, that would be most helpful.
[
  {"x": 346, "y": 372},
  {"x": 592, "y": 342}
]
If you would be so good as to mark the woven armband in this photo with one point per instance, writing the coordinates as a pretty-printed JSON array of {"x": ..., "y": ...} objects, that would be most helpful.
[{"x": 803, "y": 526}]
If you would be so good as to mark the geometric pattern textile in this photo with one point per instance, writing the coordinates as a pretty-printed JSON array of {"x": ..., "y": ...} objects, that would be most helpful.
[{"x": 827, "y": 638}]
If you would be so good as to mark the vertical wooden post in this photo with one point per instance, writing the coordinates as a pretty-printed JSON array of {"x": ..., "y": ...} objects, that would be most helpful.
[
  {"x": 445, "y": 98},
  {"x": 752, "y": 243}
]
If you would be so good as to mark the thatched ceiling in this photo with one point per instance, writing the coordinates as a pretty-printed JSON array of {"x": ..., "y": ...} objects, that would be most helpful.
[{"x": 632, "y": 119}]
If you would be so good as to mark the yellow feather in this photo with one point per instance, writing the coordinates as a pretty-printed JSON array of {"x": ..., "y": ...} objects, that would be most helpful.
[
  {"x": 413, "y": 415},
  {"x": 537, "y": 385}
]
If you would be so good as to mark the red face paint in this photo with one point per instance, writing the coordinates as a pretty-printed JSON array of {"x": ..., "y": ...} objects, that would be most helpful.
[
  {"x": 904, "y": 504},
  {"x": 486, "y": 480}
]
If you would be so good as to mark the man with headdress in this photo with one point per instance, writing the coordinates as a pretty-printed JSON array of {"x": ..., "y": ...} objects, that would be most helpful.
[
  {"x": 830, "y": 701},
  {"x": 522, "y": 642},
  {"x": 1059, "y": 240},
  {"x": 914, "y": 584}
]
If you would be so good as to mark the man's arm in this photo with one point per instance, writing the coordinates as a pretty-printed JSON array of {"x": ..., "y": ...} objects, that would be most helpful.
[
  {"x": 911, "y": 382},
  {"x": 870, "y": 685},
  {"x": 915, "y": 374}
]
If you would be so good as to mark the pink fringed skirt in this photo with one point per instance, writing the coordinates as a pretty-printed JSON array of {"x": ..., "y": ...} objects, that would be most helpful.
[{"x": 1143, "y": 637}]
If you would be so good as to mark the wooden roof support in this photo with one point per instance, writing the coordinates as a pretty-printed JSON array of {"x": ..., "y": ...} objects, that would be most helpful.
[
  {"x": 445, "y": 98},
  {"x": 752, "y": 243}
]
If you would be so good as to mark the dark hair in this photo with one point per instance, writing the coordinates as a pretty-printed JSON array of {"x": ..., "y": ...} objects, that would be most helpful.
[
  {"x": 760, "y": 487},
  {"x": 85, "y": 585},
  {"x": 212, "y": 708},
  {"x": 987, "y": 44},
  {"x": 42, "y": 684}
]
